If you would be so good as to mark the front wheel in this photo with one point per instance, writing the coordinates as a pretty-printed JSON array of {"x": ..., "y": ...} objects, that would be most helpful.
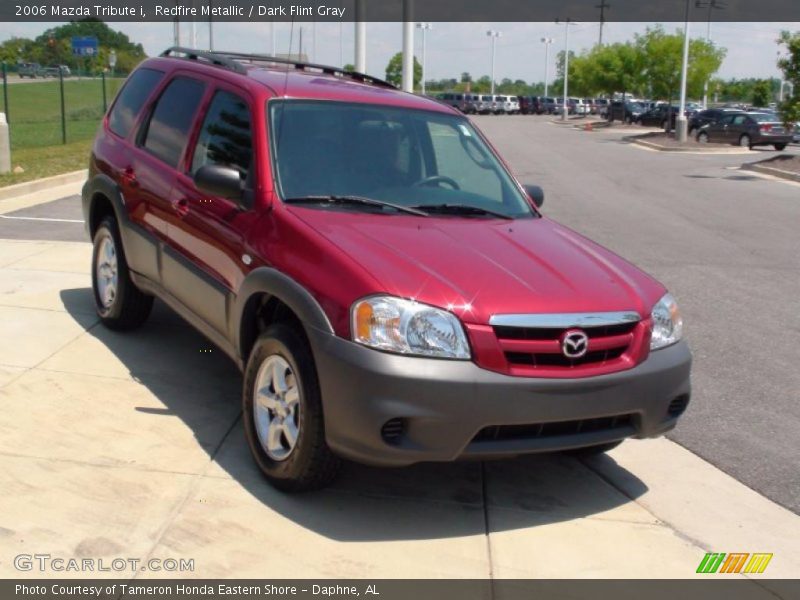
[
  {"x": 282, "y": 413},
  {"x": 119, "y": 303}
]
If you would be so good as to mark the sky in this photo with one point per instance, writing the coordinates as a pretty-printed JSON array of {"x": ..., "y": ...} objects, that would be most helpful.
[{"x": 452, "y": 48}]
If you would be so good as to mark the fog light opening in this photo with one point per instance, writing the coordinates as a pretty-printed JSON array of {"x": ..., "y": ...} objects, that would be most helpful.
[
  {"x": 393, "y": 430},
  {"x": 678, "y": 405}
]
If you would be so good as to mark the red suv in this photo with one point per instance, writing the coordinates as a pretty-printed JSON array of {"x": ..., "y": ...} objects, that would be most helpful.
[{"x": 390, "y": 291}]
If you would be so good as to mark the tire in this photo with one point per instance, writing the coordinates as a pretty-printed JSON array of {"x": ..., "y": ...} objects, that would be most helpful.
[
  {"x": 744, "y": 141},
  {"x": 779, "y": 147},
  {"x": 593, "y": 450},
  {"x": 702, "y": 137},
  {"x": 306, "y": 463},
  {"x": 119, "y": 303}
]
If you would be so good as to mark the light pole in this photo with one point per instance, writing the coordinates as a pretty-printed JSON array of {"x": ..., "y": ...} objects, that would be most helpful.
[
  {"x": 681, "y": 125},
  {"x": 360, "y": 45},
  {"x": 567, "y": 23},
  {"x": 602, "y": 6},
  {"x": 494, "y": 35},
  {"x": 546, "y": 42},
  {"x": 424, "y": 27},
  {"x": 711, "y": 5}
]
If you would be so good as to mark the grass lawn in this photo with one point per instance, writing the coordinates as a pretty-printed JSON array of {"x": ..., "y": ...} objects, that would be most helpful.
[
  {"x": 34, "y": 110},
  {"x": 48, "y": 160}
]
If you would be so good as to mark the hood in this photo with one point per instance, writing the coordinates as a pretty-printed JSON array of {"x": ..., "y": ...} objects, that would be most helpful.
[{"x": 480, "y": 267}]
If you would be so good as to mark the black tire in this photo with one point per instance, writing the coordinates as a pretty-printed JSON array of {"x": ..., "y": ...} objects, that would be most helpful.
[
  {"x": 310, "y": 465},
  {"x": 594, "y": 450},
  {"x": 779, "y": 147},
  {"x": 746, "y": 142},
  {"x": 129, "y": 307}
]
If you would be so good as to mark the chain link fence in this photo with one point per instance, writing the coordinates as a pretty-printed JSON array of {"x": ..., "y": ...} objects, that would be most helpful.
[{"x": 52, "y": 107}]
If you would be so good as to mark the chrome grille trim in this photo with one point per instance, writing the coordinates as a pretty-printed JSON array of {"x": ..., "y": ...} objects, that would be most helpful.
[{"x": 565, "y": 320}]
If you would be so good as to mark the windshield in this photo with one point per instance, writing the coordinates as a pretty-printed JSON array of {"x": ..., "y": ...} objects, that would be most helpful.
[{"x": 398, "y": 155}]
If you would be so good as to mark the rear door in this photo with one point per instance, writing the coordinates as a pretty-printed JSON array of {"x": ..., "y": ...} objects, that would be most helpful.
[{"x": 208, "y": 236}]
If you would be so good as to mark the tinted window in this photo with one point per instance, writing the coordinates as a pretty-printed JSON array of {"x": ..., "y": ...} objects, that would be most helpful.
[
  {"x": 225, "y": 138},
  {"x": 131, "y": 99},
  {"x": 172, "y": 118}
]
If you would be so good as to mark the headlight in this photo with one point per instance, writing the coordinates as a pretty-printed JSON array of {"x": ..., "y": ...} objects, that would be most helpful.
[
  {"x": 667, "y": 323},
  {"x": 408, "y": 327}
]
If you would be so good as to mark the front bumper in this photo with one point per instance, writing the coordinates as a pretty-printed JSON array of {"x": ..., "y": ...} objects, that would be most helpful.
[{"x": 444, "y": 404}]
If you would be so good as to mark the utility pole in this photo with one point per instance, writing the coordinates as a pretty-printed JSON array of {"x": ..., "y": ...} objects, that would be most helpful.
[
  {"x": 602, "y": 6},
  {"x": 272, "y": 37},
  {"x": 408, "y": 46},
  {"x": 546, "y": 41},
  {"x": 424, "y": 27},
  {"x": 711, "y": 5},
  {"x": 361, "y": 37},
  {"x": 564, "y": 103},
  {"x": 681, "y": 124},
  {"x": 494, "y": 35}
]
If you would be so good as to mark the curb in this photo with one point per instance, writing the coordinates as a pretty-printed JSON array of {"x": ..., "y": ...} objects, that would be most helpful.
[
  {"x": 759, "y": 168},
  {"x": 692, "y": 150},
  {"x": 37, "y": 185}
]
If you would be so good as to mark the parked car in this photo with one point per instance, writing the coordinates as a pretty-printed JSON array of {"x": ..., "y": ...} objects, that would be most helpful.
[
  {"x": 627, "y": 112},
  {"x": 705, "y": 117},
  {"x": 797, "y": 133},
  {"x": 459, "y": 101},
  {"x": 391, "y": 293},
  {"x": 559, "y": 106},
  {"x": 747, "y": 130},
  {"x": 56, "y": 71},
  {"x": 590, "y": 106},
  {"x": 530, "y": 105},
  {"x": 510, "y": 104},
  {"x": 486, "y": 104},
  {"x": 662, "y": 116},
  {"x": 548, "y": 105},
  {"x": 28, "y": 69},
  {"x": 580, "y": 107},
  {"x": 602, "y": 105}
]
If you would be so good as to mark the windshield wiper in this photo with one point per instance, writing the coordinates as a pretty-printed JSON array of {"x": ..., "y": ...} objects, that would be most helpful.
[
  {"x": 335, "y": 199},
  {"x": 461, "y": 209}
]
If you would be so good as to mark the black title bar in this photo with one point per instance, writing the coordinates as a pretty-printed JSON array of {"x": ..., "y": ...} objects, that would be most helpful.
[{"x": 397, "y": 10}]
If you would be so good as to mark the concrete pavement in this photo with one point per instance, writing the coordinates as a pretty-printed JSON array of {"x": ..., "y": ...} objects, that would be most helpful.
[{"x": 130, "y": 445}]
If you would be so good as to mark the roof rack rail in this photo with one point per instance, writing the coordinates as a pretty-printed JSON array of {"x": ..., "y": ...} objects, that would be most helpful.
[
  {"x": 234, "y": 60},
  {"x": 210, "y": 57}
]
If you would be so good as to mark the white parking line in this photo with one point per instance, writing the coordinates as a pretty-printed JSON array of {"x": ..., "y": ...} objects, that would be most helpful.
[{"x": 42, "y": 219}]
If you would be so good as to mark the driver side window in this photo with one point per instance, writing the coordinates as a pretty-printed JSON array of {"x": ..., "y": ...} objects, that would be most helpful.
[{"x": 454, "y": 161}]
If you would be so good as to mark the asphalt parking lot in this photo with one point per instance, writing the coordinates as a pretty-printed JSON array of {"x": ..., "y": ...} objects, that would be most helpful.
[{"x": 108, "y": 448}]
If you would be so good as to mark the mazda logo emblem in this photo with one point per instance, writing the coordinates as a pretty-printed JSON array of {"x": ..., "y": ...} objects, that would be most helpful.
[{"x": 574, "y": 343}]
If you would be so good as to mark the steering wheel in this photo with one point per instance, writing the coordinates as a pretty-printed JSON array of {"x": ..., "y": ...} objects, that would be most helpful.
[{"x": 435, "y": 179}]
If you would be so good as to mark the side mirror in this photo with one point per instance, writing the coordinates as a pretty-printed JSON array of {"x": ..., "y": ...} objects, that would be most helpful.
[
  {"x": 217, "y": 180},
  {"x": 536, "y": 194}
]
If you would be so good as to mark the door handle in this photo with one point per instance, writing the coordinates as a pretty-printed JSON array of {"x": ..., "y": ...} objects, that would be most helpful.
[
  {"x": 129, "y": 178},
  {"x": 181, "y": 207}
]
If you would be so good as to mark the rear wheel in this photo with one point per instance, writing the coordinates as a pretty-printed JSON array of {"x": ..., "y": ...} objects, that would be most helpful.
[
  {"x": 119, "y": 303},
  {"x": 282, "y": 413},
  {"x": 745, "y": 142},
  {"x": 702, "y": 137}
]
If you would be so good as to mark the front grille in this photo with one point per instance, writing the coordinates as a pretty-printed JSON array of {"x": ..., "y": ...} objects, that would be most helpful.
[
  {"x": 553, "y": 429},
  {"x": 540, "y": 347}
]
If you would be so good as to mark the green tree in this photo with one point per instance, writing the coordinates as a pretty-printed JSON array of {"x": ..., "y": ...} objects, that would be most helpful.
[
  {"x": 394, "y": 70},
  {"x": 349, "y": 67},
  {"x": 790, "y": 65},
  {"x": 762, "y": 93},
  {"x": 14, "y": 50}
]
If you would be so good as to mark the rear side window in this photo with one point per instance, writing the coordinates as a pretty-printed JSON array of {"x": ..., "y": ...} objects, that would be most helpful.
[
  {"x": 172, "y": 119},
  {"x": 131, "y": 99},
  {"x": 225, "y": 138}
]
